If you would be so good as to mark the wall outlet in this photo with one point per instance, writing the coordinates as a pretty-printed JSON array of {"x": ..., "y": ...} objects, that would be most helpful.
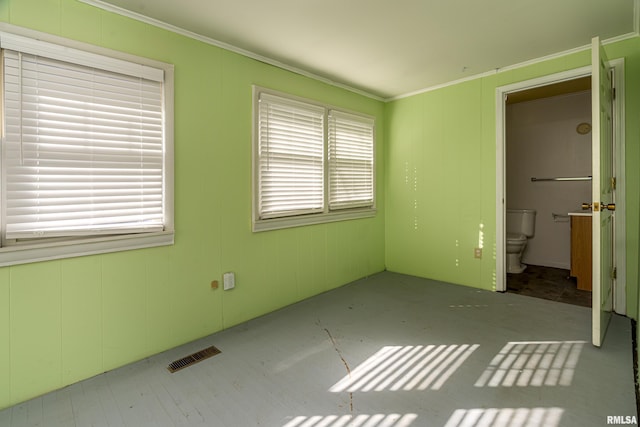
[
  {"x": 477, "y": 252},
  {"x": 229, "y": 281}
]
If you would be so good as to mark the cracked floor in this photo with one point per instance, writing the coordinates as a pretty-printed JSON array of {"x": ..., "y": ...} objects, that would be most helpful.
[{"x": 387, "y": 351}]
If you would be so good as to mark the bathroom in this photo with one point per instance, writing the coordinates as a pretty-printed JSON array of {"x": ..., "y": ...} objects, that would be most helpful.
[{"x": 548, "y": 135}]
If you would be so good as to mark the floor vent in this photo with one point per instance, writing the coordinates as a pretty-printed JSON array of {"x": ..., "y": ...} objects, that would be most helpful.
[{"x": 193, "y": 358}]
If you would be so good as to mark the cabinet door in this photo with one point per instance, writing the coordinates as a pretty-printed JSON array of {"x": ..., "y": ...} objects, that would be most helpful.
[{"x": 581, "y": 265}]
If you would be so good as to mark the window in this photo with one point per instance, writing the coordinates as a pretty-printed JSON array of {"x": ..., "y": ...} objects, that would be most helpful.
[
  {"x": 85, "y": 152},
  {"x": 312, "y": 163},
  {"x": 350, "y": 161}
]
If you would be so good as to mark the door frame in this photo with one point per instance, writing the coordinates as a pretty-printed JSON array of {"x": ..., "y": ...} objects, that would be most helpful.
[{"x": 619, "y": 302}]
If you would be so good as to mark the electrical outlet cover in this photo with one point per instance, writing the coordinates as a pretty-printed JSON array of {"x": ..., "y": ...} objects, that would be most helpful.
[{"x": 229, "y": 280}]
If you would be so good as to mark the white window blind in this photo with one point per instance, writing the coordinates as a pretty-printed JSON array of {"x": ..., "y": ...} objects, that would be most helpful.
[
  {"x": 83, "y": 150},
  {"x": 290, "y": 157},
  {"x": 351, "y": 180}
]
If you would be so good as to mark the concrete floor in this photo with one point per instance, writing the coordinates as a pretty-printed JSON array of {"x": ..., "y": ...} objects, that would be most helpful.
[{"x": 389, "y": 350}]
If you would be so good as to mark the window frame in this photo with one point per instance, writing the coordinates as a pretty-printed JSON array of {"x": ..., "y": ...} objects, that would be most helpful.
[
  {"x": 346, "y": 137},
  {"x": 326, "y": 215},
  {"x": 35, "y": 250}
]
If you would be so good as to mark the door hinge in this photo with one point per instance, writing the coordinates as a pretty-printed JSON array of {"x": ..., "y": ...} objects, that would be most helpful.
[
  {"x": 614, "y": 273},
  {"x": 613, "y": 93}
]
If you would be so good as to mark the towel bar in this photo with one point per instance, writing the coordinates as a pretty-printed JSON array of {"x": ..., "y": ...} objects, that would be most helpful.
[{"x": 576, "y": 178}]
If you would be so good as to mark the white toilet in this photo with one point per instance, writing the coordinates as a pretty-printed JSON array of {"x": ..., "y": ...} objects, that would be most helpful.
[{"x": 520, "y": 226}]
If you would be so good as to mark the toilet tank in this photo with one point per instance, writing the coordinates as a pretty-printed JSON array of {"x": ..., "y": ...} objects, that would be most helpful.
[{"x": 521, "y": 221}]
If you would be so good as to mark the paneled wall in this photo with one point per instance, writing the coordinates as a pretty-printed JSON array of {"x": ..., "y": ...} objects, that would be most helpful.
[
  {"x": 441, "y": 174},
  {"x": 62, "y": 321}
]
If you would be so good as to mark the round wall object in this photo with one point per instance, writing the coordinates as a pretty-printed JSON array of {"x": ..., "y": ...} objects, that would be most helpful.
[{"x": 583, "y": 128}]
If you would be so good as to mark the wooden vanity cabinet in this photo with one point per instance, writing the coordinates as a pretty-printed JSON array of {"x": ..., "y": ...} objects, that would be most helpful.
[{"x": 581, "y": 255}]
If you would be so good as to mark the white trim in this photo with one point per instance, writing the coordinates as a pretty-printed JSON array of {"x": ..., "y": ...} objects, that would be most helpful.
[
  {"x": 501, "y": 92},
  {"x": 160, "y": 24},
  {"x": 566, "y": 52},
  {"x": 74, "y": 44},
  {"x": 514, "y": 66},
  {"x": 312, "y": 219},
  {"x": 326, "y": 215},
  {"x": 169, "y": 27},
  {"x": 84, "y": 57},
  {"x": 27, "y": 252},
  {"x": 636, "y": 16},
  {"x": 501, "y": 255},
  {"x": 620, "y": 290},
  {"x": 443, "y": 85},
  {"x": 14, "y": 255}
]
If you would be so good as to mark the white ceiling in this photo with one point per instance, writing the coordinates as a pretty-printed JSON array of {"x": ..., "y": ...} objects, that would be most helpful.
[{"x": 391, "y": 48}]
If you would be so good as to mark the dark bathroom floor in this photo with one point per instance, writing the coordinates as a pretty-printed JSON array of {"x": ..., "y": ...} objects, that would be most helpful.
[{"x": 548, "y": 283}]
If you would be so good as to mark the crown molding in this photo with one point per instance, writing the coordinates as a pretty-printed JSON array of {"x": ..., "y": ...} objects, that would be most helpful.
[
  {"x": 226, "y": 46},
  {"x": 518, "y": 65}
]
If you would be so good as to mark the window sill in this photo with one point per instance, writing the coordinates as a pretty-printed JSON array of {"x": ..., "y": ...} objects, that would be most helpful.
[
  {"x": 312, "y": 219},
  {"x": 27, "y": 253}
]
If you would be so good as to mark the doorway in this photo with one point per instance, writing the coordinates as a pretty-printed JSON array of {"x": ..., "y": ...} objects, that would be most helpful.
[
  {"x": 548, "y": 170},
  {"x": 566, "y": 85}
]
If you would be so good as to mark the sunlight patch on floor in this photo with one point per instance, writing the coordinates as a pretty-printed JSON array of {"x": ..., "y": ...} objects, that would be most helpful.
[
  {"x": 506, "y": 417},
  {"x": 361, "y": 420},
  {"x": 533, "y": 363},
  {"x": 406, "y": 368}
]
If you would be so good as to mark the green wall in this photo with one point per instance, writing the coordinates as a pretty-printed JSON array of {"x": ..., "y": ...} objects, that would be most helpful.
[
  {"x": 63, "y": 321},
  {"x": 441, "y": 177}
]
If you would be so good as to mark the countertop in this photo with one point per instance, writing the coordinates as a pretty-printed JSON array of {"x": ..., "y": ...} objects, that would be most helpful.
[{"x": 581, "y": 213}]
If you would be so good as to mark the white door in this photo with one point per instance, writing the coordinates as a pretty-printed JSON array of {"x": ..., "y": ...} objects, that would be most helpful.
[{"x": 603, "y": 187}]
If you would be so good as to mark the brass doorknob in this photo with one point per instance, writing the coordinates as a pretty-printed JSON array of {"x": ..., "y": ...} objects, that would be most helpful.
[{"x": 599, "y": 206}]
